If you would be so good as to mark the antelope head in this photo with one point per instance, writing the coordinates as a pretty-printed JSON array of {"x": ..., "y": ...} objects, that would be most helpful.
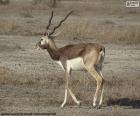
[{"x": 49, "y": 35}]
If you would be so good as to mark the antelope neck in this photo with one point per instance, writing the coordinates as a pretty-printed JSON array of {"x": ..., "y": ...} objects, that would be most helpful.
[{"x": 53, "y": 50}]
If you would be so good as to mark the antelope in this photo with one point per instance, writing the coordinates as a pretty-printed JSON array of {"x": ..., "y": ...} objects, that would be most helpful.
[{"x": 82, "y": 56}]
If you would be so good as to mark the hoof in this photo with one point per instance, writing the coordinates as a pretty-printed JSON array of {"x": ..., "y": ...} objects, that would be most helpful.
[
  {"x": 97, "y": 106},
  {"x": 94, "y": 106},
  {"x": 62, "y": 106},
  {"x": 78, "y": 103}
]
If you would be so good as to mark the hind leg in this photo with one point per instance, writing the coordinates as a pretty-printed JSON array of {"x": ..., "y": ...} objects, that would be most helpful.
[
  {"x": 102, "y": 91},
  {"x": 99, "y": 68},
  {"x": 99, "y": 81},
  {"x": 90, "y": 61}
]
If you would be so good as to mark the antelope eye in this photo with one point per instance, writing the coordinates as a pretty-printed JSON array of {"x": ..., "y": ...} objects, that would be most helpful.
[{"x": 41, "y": 39}]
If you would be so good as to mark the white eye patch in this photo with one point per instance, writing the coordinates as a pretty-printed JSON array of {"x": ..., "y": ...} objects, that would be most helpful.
[{"x": 43, "y": 40}]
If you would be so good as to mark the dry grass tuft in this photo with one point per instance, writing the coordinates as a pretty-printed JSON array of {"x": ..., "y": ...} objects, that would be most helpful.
[
  {"x": 7, "y": 26},
  {"x": 109, "y": 32},
  {"x": 9, "y": 48},
  {"x": 122, "y": 92},
  {"x": 27, "y": 13},
  {"x": 9, "y": 77}
]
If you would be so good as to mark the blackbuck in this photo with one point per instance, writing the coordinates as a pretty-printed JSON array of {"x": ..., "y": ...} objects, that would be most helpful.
[{"x": 82, "y": 56}]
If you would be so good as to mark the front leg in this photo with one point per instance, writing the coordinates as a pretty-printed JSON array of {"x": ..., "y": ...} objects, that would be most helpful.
[
  {"x": 67, "y": 71},
  {"x": 65, "y": 98}
]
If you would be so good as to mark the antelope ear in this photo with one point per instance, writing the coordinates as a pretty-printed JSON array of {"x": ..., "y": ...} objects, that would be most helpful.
[
  {"x": 55, "y": 35},
  {"x": 46, "y": 34}
]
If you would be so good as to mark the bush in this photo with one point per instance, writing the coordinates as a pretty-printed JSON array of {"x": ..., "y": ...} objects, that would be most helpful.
[
  {"x": 51, "y": 3},
  {"x": 4, "y": 2},
  {"x": 37, "y": 1}
]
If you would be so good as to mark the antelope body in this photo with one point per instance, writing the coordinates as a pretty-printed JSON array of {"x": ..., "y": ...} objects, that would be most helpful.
[{"x": 83, "y": 56}]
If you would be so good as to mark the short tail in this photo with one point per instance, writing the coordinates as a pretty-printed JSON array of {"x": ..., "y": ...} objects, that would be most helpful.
[
  {"x": 101, "y": 58},
  {"x": 102, "y": 53}
]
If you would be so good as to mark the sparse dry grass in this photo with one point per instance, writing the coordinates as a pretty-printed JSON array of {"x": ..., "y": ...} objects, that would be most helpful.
[
  {"x": 108, "y": 32},
  {"x": 4, "y": 47},
  {"x": 105, "y": 33},
  {"x": 41, "y": 89},
  {"x": 7, "y": 26},
  {"x": 122, "y": 89},
  {"x": 27, "y": 13},
  {"x": 116, "y": 89},
  {"x": 9, "y": 77}
]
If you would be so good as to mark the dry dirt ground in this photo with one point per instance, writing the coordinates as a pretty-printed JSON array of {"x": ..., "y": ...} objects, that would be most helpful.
[
  {"x": 36, "y": 82},
  {"x": 30, "y": 82}
]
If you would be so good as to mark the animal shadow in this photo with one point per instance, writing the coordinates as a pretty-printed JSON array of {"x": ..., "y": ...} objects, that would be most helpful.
[{"x": 124, "y": 102}]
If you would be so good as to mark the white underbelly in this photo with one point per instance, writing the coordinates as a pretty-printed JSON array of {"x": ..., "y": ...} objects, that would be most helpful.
[{"x": 74, "y": 64}]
